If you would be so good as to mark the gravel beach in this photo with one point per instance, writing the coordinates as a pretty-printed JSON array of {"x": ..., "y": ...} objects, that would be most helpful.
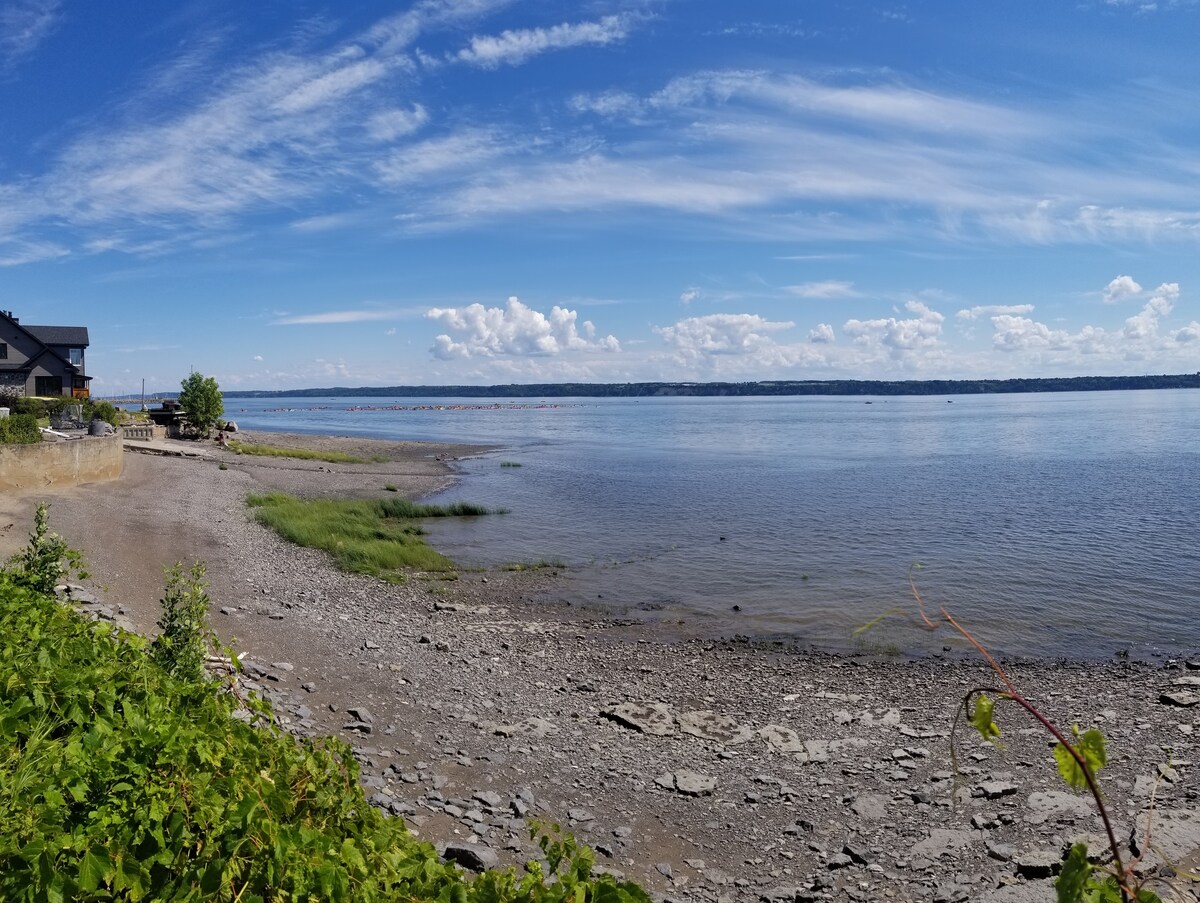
[{"x": 705, "y": 769}]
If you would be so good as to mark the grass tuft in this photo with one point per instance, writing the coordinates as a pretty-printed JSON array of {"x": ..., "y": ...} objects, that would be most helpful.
[
  {"x": 304, "y": 454},
  {"x": 380, "y": 538},
  {"x": 511, "y": 464}
]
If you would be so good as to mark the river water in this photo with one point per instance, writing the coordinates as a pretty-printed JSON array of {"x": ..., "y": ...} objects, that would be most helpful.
[{"x": 1051, "y": 524}]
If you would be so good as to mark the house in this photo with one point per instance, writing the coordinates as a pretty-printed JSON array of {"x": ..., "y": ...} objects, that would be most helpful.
[{"x": 42, "y": 360}]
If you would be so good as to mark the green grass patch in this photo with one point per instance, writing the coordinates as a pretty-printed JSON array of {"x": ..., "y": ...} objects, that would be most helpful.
[
  {"x": 511, "y": 464},
  {"x": 303, "y": 454},
  {"x": 381, "y": 537}
]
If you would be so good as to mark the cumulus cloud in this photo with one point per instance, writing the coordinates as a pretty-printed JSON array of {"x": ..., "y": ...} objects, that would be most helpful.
[
  {"x": 516, "y": 46},
  {"x": 822, "y": 334},
  {"x": 900, "y": 336},
  {"x": 1188, "y": 334},
  {"x": 828, "y": 289},
  {"x": 992, "y": 310},
  {"x": 258, "y": 357},
  {"x": 1121, "y": 288},
  {"x": 687, "y": 296},
  {"x": 721, "y": 334},
  {"x": 1021, "y": 334},
  {"x": 1143, "y": 325},
  {"x": 517, "y": 329}
]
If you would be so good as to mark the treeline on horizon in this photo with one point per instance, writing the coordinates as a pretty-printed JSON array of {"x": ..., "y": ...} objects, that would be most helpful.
[{"x": 773, "y": 387}]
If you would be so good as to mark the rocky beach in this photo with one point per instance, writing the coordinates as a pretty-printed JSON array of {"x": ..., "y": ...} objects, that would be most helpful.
[{"x": 705, "y": 769}]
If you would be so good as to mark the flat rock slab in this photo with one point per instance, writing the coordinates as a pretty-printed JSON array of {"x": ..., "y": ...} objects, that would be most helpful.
[
  {"x": 941, "y": 842},
  {"x": 782, "y": 739},
  {"x": 1185, "y": 699},
  {"x": 1057, "y": 805},
  {"x": 718, "y": 728},
  {"x": 687, "y": 782},
  {"x": 655, "y": 719},
  {"x": 533, "y": 727}
]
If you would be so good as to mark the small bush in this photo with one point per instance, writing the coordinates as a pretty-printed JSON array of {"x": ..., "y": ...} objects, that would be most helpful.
[
  {"x": 47, "y": 558},
  {"x": 102, "y": 410},
  {"x": 186, "y": 637},
  {"x": 19, "y": 429},
  {"x": 27, "y": 405}
]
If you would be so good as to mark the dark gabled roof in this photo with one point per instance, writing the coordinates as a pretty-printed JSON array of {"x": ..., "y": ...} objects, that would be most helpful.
[{"x": 75, "y": 336}]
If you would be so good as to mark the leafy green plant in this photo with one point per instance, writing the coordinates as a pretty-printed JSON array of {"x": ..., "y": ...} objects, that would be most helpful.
[
  {"x": 46, "y": 559},
  {"x": 185, "y": 639},
  {"x": 1078, "y": 757}
]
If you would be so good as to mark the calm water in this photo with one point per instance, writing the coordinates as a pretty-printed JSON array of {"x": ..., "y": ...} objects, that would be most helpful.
[{"x": 1060, "y": 524}]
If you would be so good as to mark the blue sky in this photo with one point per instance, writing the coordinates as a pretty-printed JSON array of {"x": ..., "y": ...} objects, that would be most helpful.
[{"x": 292, "y": 194}]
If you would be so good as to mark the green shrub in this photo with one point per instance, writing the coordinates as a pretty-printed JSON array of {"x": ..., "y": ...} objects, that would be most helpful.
[
  {"x": 19, "y": 429},
  {"x": 47, "y": 558},
  {"x": 185, "y": 639},
  {"x": 102, "y": 410},
  {"x": 27, "y": 405}
]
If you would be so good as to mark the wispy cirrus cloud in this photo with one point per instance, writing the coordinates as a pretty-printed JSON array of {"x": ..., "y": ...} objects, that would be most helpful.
[
  {"x": 24, "y": 25},
  {"x": 342, "y": 316},
  {"x": 829, "y": 289},
  {"x": 514, "y": 47}
]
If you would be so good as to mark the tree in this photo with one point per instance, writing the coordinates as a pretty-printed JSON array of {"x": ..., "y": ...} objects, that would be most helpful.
[{"x": 200, "y": 398}]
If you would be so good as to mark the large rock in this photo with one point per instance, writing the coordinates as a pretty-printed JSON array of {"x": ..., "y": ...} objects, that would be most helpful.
[
  {"x": 718, "y": 728},
  {"x": 471, "y": 856},
  {"x": 941, "y": 842},
  {"x": 1058, "y": 806},
  {"x": 655, "y": 719},
  {"x": 687, "y": 782}
]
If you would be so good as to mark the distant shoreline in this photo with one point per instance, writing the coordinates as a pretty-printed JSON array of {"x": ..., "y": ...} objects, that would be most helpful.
[{"x": 851, "y": 387}]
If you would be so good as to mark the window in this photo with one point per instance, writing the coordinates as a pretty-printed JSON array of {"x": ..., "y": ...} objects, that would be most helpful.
[
  {"x": 3, "y": 351},
  {"x": 48, "y": 385},
  {"x": 75, "y": 356}
]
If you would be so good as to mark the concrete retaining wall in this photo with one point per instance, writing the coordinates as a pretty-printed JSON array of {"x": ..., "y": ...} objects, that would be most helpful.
[{"x": 61, "y": 464}]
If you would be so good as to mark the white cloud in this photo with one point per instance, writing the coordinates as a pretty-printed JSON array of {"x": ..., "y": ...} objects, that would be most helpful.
[
  {"x": 516, "y": 329},
  {"x": 448, "y": 155},
  {"x": 388, "y": 125},
  {"x": 1188, "y": 334},
  {"x": 1144, "y": 324},
  {"x": 991, "y": 310},
  {"x": 516, "y": 46},
  {"x": 900, "y": 336},
  {"x": 24, "y": 25},
  {"x": 19, "y": 253},
  {"x": 258, "y": 357},
  {"x": 609, "y": 104},
  {"x": 338, "y": 316},
  {"x": 323, "y": 223},
  {"x": 1121, "y": 288},
  {"x": 828, "y": 289},
  {"x": 719, "y": 334},
  {"x": 1022, "y": 334},
  {"x": 822, "y": 334},
  {"x": 687, "y": 296}
]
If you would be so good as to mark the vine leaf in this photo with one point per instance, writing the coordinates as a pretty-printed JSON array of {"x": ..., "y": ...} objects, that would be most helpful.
[
  {"x": 1091, "y": 747},
  {"x": 1076, "y": 872},
  {"x": 981, "y": 718}
]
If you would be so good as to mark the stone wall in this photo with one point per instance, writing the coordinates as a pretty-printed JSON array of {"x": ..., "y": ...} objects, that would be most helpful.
[{"x": 58, "y": 465}]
